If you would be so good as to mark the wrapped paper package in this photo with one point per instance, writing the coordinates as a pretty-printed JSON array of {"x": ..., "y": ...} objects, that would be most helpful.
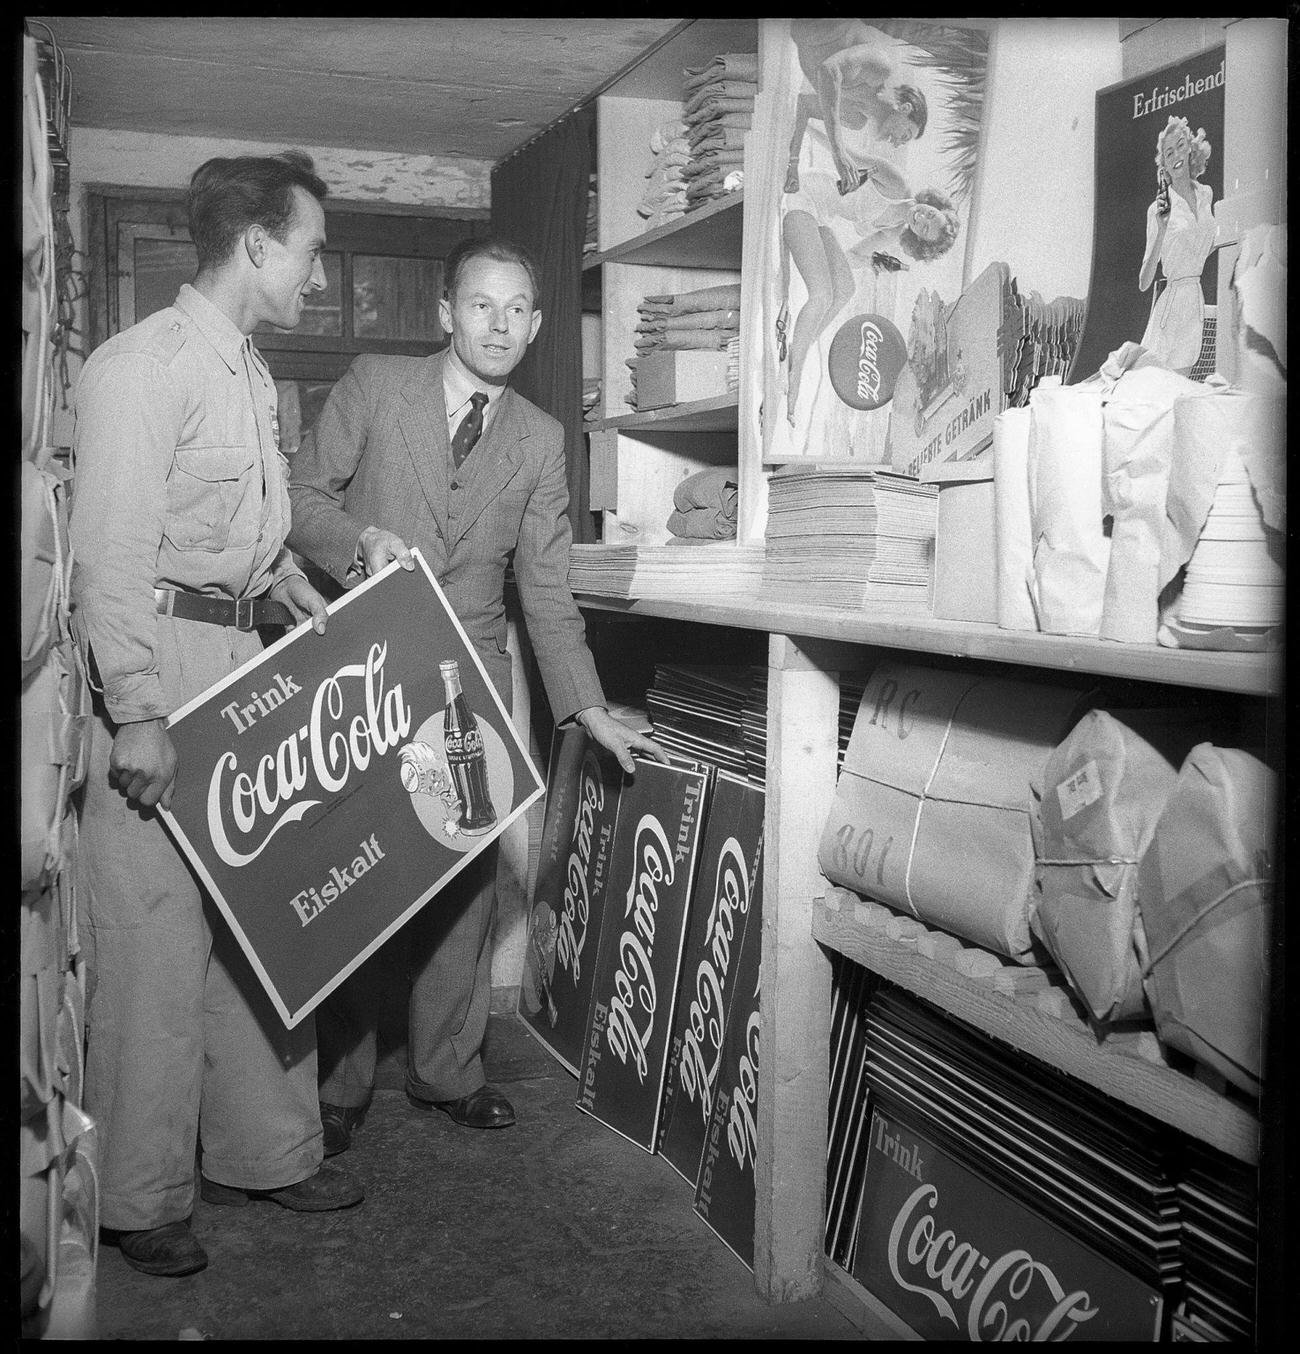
[
  {"x": 1138, "y": 448},
  {"x": 1071, "y": 547},
  {"x": 1225, "y": 520},
  {"x": 1103, "y": 791},
  {"x": 1206, "y": 887},
  {"x": 1259, "y": 281},
  {"x": 1011, "y": 521},
  {"x": 932, "y": 809}
]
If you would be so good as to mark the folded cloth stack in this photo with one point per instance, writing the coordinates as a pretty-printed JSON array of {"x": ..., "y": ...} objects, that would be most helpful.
[
  {"x": 708, "y": 318},
  {"x": 665, "y": 195},
  {"x": 590, "y": 241},
  {"x": 719, "y": 103},
  {"x": 704, "y": 506},
  {"x": 733, "y": 363}
]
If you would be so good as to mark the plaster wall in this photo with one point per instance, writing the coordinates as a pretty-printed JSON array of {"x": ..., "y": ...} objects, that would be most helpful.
[{"x": 1034, "y": 204}]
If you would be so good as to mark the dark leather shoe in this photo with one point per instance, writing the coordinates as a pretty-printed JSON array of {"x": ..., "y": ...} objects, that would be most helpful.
[
  {"x": 484, "y": 1108},
  {"x": 331, "y": 1187},
  {"x": 337, "y": 1123},
  {"x": 170, "y": 1251}
]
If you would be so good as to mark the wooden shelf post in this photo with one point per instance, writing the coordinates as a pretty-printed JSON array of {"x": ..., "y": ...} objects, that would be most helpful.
[{"x": 790, "y": 1172}]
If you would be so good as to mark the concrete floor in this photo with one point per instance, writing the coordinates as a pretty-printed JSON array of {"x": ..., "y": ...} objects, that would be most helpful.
[{"x": 555, "y": 1228}]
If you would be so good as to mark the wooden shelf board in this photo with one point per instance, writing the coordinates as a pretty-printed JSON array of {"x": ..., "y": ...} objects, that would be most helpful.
[
  {"x": 716, "y": 415},
  {"x": 693, "y": 43},
  {"x": 862, "y": 1307},
  {"x": 1247, "y": 674},
  {"x": 1064, "y": 1042},
  {"x": 709, "y": 237}
]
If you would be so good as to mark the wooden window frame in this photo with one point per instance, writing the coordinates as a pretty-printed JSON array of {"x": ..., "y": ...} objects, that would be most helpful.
[{"x": 352, "y": 228}]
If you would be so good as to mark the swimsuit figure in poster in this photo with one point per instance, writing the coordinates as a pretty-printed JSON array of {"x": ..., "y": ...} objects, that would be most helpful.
[
  {"x": 1181, "y": 232},
  {"x": 922, "y": 223},
  {"x": 883, "y": 122}
]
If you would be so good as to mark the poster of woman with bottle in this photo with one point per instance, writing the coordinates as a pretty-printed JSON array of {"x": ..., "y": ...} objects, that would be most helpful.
[
  {"x": 1159, "y": 172},
  {"x": 331, "y": 787},
  {"x": 882, "y": 119}
]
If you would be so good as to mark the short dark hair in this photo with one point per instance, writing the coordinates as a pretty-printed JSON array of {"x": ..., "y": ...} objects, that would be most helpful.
[
  {"x": 490, "y": 247},
  {"x": 911, "y": 101},
  {"x": 226, "y": 196}
]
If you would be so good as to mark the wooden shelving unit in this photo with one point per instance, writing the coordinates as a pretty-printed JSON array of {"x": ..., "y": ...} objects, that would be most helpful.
[
  {"x": 717, "y": 415},
  {"x": 709, "y": 237},
  {"x": 643, "y": 457},
  {"x": 1063, "y": 1040},
  {"x": 1242, "y": 673}
]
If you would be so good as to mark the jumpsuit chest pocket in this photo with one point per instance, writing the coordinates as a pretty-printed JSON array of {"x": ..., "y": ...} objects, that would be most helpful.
[{"x": 205, "y": 495}]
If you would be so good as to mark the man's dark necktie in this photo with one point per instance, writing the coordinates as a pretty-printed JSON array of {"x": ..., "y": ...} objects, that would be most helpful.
[{"x": 471, "y": 427}]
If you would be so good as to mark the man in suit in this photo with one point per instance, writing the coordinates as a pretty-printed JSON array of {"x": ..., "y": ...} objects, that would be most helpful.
[{"x": 439, "y": 453}]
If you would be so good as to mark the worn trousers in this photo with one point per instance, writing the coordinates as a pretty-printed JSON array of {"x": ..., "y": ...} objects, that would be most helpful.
[
  {"x": 183, "y": 1048},
  {"x": 445, "y": 955}
]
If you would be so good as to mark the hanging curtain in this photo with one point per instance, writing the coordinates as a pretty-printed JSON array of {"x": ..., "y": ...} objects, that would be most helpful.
[{"x": 539, "y": 199}]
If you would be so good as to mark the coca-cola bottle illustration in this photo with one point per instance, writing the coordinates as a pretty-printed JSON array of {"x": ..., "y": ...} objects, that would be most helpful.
[{"x": 466, "y": 756}]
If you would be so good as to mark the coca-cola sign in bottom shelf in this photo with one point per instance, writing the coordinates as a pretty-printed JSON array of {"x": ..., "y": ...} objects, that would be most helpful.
[{"x": 958, "y": 1259}]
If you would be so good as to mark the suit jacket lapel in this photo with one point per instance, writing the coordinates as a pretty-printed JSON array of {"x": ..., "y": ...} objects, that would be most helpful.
[
  {"x": 494, "y": 462},
  {"x": 424, "y": 427}
]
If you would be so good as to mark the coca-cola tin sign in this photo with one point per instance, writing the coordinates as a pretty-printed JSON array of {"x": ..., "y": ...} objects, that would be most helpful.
[
  {"x": 722, "y": 907},
  {"x": 725, "y": 1190},
  {"x": 583, "y": 786},
  {"x": 958, "y": 1259},
  {"x": 330, "y": 788},
  {"x": 625, "y": 1048}
]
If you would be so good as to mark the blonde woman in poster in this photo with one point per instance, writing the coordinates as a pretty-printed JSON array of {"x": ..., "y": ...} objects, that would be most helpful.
[{"x": 1181, "y": 232}]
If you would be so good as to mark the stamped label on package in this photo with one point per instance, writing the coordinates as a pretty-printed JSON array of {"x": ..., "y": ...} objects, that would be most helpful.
[
  {"x": 1079, "y": 789},
  {"x": 331, "y": 786}
]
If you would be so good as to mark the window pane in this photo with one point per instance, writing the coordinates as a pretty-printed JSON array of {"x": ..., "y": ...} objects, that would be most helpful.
[
  {"x": 300, "y": 403},
  {"x": 396, "y": 298},
  {"x": 160, "y": 268},
  {"x": 323, "y": 313}
]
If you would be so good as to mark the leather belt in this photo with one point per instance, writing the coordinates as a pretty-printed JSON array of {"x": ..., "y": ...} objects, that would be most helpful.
[{"x": 245, "y": 614}]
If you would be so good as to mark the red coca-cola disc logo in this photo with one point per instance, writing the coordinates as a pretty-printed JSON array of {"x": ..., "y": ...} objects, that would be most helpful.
[{"x": 866, "y": 356}]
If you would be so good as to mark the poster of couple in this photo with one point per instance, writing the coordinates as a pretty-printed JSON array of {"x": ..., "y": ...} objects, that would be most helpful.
[{"x": 865, "y": 210}]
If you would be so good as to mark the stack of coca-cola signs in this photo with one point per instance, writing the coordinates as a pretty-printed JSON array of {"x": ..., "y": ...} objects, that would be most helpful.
[{"x": 641, "y": 974}]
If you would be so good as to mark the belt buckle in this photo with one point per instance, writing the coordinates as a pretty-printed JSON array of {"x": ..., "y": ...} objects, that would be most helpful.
[{"x": 244, "y": 613}]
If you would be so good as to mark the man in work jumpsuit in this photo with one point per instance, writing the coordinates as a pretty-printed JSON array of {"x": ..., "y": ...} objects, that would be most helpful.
[{"x": 178, "y": 525}]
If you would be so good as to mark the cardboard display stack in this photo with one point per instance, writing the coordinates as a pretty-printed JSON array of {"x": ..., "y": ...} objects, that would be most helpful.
[
  {"x": 932, "y": 1126},
  {"x": 641, "y": 968},
  {"x": 58, "y": 1196},
  {"x": 583, "y": 787},
  {"x": 1045, "y": 1185}
]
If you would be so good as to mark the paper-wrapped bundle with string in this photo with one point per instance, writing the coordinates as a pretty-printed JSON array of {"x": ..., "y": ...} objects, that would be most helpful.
[
  {"x": 1103, "y": 790},
  {"x": 1206, "y": 903},
  {"x": 932, "y": 810},
  {"x": 1071, "y": 548}
]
